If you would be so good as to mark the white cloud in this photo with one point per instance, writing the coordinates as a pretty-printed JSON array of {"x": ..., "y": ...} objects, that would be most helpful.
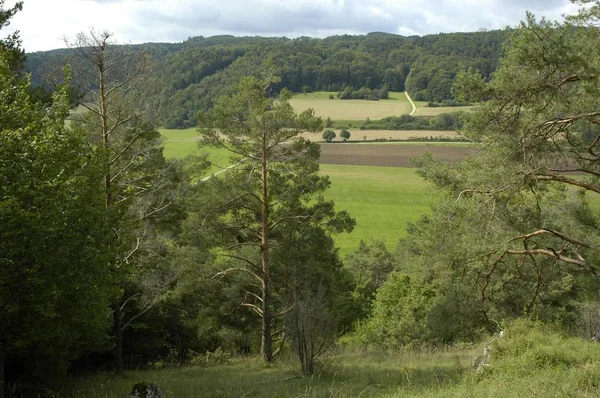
[{"x": 44, "y": 23}]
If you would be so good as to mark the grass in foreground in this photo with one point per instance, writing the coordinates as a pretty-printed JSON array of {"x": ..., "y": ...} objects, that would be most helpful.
[
  {"x": 370, "y": 374},
  {"x": 531, "y": 360}
]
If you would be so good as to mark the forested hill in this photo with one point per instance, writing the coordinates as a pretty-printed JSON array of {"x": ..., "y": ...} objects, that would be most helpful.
[{"x": 194, "y": 73}]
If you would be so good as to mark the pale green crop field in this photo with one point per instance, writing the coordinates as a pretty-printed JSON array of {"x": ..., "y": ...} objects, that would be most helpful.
[{"x": 357, "y": 110}]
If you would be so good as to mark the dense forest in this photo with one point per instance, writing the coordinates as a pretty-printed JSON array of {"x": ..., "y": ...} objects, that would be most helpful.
[
  {"x": 193, "y": 74},
  {"x": 113, "y": 257}
]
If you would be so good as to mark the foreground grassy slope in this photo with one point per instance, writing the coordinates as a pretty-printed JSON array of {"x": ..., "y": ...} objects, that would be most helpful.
[
  {"x": 530, "y": 360},
  {"x": 347, "y": 375}
]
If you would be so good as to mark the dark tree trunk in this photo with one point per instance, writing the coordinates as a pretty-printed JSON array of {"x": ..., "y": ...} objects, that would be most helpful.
[
  {"x": 2, "y": 380},
  {"x": 118, "y": 331},
  {"x": 596, "y": 336}
]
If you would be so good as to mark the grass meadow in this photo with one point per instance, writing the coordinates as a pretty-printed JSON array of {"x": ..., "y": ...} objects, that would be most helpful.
[
  {"x": 346, "y": 374},
  {"x": 381, "y": 199},
  {"x": 531, "y": 360},
  {"x": 356, "y": 110}
]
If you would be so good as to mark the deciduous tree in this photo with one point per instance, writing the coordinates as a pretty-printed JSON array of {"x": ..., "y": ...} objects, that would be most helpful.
[
  {"x": 139, "y": 185},
  {"x": 52, "y": 229}
]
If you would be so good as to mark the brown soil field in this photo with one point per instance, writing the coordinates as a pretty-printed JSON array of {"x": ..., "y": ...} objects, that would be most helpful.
[{"x": 391, "y": 155}]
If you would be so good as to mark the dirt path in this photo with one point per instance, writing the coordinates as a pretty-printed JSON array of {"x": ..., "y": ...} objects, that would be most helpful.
[{"x": 414, "y": 108}]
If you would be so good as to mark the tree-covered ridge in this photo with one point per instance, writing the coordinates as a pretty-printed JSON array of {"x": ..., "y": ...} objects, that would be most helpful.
[{"x": 194, "y": 73}]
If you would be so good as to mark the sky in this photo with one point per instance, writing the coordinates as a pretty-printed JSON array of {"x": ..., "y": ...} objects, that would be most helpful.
[{"x": 44, "y": 24}]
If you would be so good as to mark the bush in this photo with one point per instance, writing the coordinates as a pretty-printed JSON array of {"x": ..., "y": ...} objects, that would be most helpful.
[
  {"x": 218, "y": 357},
  {"x": 399, "y": 314}
]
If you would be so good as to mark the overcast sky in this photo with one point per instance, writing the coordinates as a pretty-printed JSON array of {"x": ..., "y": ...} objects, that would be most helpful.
[{"x": 44, "y": 23}]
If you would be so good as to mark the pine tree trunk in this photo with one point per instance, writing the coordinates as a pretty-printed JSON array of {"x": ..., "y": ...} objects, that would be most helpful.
[
  {"x": 266, "y": 347},
  {"x": 118, "y": 331}
]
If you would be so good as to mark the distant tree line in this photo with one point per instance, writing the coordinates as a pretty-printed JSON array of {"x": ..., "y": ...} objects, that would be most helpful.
[
  {"x": 446, "y": 121},
  {"x": 364, "y": 93}
]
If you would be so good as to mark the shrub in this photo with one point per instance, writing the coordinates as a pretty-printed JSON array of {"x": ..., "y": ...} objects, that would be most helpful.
[{"x": 218, "y": 357}]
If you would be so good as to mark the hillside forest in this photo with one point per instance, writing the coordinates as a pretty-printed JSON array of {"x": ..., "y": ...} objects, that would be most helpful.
[
  {"x": 115, "y": 258},
  {"x": 193, "y": 74}
]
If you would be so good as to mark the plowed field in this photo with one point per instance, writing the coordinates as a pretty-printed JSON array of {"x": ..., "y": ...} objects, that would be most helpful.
[{"x": 391, "y": 155}]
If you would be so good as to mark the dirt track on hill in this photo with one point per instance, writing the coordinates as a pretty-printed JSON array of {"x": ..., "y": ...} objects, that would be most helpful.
[{"x": 387, "y": 154}]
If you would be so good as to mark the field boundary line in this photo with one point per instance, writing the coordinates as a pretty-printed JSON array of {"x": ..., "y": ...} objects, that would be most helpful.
[{"x": 414, "y": 108}]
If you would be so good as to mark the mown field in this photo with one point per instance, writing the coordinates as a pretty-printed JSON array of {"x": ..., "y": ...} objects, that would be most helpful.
[
  {"x": 358, "y": 110},
  {"x": 374, "y": 182}
]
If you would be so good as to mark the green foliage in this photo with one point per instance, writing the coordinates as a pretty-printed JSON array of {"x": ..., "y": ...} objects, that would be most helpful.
[
  {"x": 52, "y": 234},
  {"x": 399, "y": 315},
  {"x": 442, "y": 122},
  {"x": 369, "y": 266},
  {"x": 216, "y": 357},
  {"x": 536, "y": 360},
  {"x": 328, "y": 135},
  {"x": 514, "y": 237},
  {"x": 272, "y": 198},
  {"x": 364, "y": 93},
  {"x": 345, "y": 134}
]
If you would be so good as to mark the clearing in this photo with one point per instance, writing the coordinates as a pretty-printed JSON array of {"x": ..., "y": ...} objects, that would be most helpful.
[{"x": 338, "y": 109}]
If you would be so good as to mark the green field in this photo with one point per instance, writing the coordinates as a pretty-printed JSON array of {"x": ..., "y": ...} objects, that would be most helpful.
[
  {"x": 381, "y": 199},
  {"x": 355, "y": 110},
  {"x": 181, "y": 143}
]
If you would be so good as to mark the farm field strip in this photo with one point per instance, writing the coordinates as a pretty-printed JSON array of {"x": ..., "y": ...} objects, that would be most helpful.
[
  {"x": 362, "y": 135},
  {"x": 389, "y": 154}
]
